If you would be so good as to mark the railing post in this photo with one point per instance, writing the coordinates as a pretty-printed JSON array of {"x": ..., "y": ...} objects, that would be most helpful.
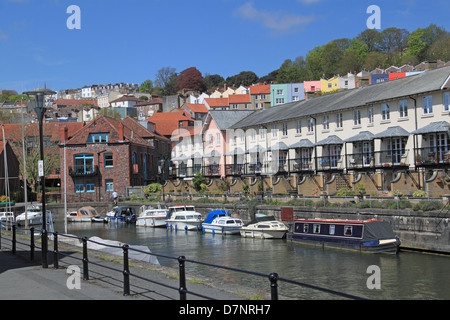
[
  {"x": 273, "y": 277},
  {"x": 85, "y": 260},
  {"x": 14, "y": 239},
  {"x": 182, "y": 289},
  {"x": 32, "y": 245},
  {"x": 44, "y": 249},
  {"x": 55, "y": 251},
  {"x": 126, "y": 271}
]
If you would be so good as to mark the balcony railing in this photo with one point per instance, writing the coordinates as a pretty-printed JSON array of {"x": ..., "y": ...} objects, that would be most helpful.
[
  {"x": 432, "y": 156},
  {"x": 83, "y": 171}
]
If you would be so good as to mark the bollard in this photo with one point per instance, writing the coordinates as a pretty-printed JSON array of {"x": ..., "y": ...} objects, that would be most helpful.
[
  {"x": 55, "y": 251},
  {"x": 14, "y": 239},
  {"x": 32, "y": 245},
  {"x": 182, "y": 289},
  {"x": 273, "y": 277},
  {"x": 126, "y": 271},
  {"x": 85, "y": 260}
]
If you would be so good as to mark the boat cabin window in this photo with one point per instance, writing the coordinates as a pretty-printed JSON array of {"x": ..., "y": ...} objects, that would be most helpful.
[
  {"x": 348, "y": 230},
  {"x": 263, "y": 226},
  {"x": 305, "y": 228},
  {"x": 73, "y": 214},
  {"x": 180, "y": 217},
  {"x": 332, "y": 228},
  {"x": 316, "y": 228}
]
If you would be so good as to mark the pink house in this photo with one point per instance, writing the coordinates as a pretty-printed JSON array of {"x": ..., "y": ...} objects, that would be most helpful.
[{"x": 312, "y": 86}]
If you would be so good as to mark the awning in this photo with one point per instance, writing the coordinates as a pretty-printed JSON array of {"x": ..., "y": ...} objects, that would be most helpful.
[
  {"x": 278, "y": 146},
  {"x": 235, "y": 151},
  {"x": 180, "y": 158},
  {"x": 304, "y": 143},
  {"x": 392, "y": 132},
  {"x": 330, "y": 140},
  {"x": 440, "y": 126},
  {"x": 255, "y": 149},
  {"x": 212, "y": 154},
  {"x": 362, "y": 136},
  {"x": 197, "y": 156}
]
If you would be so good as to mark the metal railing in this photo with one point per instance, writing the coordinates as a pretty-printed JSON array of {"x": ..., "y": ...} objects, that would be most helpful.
[{"x": 273, "y": 278}]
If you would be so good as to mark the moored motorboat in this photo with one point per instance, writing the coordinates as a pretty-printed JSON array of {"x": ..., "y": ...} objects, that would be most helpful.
[
  {"x": 183, "y": 217},
  {"x": 33, "y": 215},
  {"x": 265, "y": 227},
  {"x": 84, "y": 214},
  {"x": 150, "y": 216},
  {"x": 363, "y": 235},
  {"x": 221, "y": 222},
  {"x": 121, "y": 214}
]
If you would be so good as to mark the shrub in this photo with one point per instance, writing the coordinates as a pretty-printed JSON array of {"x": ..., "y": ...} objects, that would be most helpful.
[{"x": 153, "y": 188}]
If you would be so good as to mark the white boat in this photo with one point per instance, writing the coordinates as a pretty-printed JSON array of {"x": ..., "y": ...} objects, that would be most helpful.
[
  {"x": 152, "y": 217},
  {"x": 265, "y": 227},
  {"x": 184, "y": 218},
  {"x": 6, "y": 219},
  {"x": 84, "y": 214},
  {"x": 221, "y": 222},
  {"x": 33, "y": 215}
]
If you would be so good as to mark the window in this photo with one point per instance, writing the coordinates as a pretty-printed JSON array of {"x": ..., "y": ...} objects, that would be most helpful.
[
  {"x": 98, "y": 137},
  {"x": 446, "y": 102},
  {"x": 234, "y": 106},
  {"x": 90, "y": 187},
  {"x": 385, "y": 113},
  {"x": 279, "y": 100},
  {"x": 332, "y": 229},
  {"x": 262, "y": 133},
  {"x": 218, "y": 139},
  {"x": 79, "y": 188},
  {"x": 84, "y": 163},
  {"x": 357, "y": 118},
  {"x": 325, "y": 123},
  {"x": 310, "y": 125},
  {"x": 253, "y": 134},
  {"x": 348, "y": 230},
  {"x": 109, "y": 160},
  {"x": 280, "y": 92},
  {"x": 210, "y": 136},
  {"x": 403, "y": 108},
  {"x": 274, "y": 131},
  {"x": 299, "y": 127},
  {"x": 285, "y": 129},
  {"x": 109, "y": 185},
  {"x": 428, "y": 105},
  {"x": 339, "y": 120},
  {"x": 316, "y": 228},
  {"x": 263, "y": 97},
  {"x": 305, "y": 228},
  {"x": 370, "y": 115}
]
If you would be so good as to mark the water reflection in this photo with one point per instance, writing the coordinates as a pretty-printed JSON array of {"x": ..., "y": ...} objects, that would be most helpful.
[{"x": 405, "y": 276}]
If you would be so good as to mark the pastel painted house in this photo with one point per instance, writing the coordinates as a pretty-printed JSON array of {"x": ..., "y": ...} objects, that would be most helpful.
[{"x": 285, "y": 93}]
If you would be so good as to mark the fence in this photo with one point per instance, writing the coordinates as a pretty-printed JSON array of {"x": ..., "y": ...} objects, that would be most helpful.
[{"x": 273, "y": 278}]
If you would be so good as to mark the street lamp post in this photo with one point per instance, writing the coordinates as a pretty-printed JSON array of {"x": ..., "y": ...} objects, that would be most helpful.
[{"x": 39, "y": 96}]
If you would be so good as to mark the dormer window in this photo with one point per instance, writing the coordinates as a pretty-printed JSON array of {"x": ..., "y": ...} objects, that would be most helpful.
[{"x": 98, "y": 137}]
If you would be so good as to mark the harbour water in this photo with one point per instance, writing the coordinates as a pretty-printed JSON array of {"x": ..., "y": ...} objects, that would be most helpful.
[{"x": 408, "y": 275}]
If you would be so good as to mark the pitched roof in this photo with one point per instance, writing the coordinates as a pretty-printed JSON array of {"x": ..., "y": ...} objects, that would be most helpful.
[
  {"x": 217, "y": 102},
  {"x": 167, "y": 122},
  {"x": 260, "y": 89},
  {"x": 53, "y": 130},
  {"x": 239, "y": 98},
  {"x": 429, "y": 81},
  {"x": 197, "y": 108},
  {"x": 127, "y": 98},
  {"x": 74, "y": 102}
]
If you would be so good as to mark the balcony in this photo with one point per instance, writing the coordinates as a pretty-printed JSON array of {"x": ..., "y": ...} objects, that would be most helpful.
[
  {"x": 432, "y": 157},
  {"x": 84, "y": 171}
]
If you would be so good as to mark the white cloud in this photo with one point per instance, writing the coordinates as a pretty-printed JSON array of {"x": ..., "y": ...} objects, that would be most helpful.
[{"x": 275, "y": 21}]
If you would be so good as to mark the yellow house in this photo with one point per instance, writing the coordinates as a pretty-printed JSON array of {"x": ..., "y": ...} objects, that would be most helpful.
[{"x": 330, "y": 84}]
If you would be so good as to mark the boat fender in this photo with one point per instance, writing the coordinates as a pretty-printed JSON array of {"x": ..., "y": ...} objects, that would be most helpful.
[{"x": 185, "y": 228}]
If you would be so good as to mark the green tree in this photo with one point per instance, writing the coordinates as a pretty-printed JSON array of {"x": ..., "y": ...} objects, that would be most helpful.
[
  {"x": 213, "y": 81},
  {"x": 146, "y": 86},
  {"x": 245, "y": 78},
  {"x": 198, "y": 181},
  {"x": 292, "y": 71}
]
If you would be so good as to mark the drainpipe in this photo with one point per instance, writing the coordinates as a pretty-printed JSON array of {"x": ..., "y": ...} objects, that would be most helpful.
[{"x": 415, "y": 140}]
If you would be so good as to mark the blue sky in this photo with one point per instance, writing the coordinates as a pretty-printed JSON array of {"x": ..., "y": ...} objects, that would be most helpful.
[{"x": 129, "y": 41}]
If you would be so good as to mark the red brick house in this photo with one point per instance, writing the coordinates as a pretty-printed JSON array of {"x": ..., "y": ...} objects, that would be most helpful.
[{"x": 110, "y": 155}]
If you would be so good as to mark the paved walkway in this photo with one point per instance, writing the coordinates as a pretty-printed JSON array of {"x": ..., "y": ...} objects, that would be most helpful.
[{"x": 22, "y": 279}]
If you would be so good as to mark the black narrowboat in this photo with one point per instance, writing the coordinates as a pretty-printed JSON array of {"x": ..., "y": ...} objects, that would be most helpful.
[{"x": 362, "y": 235}]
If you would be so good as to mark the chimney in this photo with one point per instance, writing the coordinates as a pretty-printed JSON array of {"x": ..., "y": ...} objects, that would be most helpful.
[
  {"x": 64, "y": 134},
  {"x": 121, "y": 135}
]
